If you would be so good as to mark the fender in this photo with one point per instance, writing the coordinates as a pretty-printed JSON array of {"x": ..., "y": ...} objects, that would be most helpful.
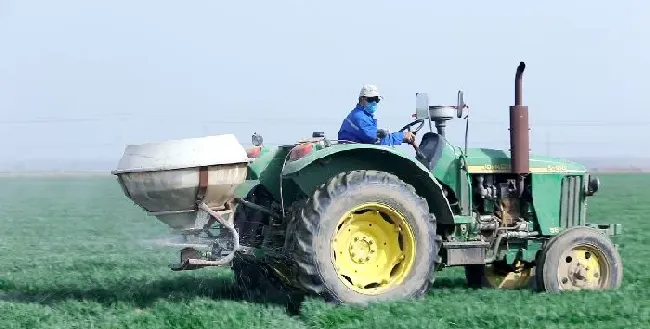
[{"x": 320, "y": 165}]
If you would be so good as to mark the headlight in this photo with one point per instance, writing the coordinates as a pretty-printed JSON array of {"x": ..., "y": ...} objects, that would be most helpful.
[{"x": 593, "y": 184}]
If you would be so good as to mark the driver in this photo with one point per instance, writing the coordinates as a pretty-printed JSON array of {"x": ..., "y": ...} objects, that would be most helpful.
[{"x": 361, "y": 126}]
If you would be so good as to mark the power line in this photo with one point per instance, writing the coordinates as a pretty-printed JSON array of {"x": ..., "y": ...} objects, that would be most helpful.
[
  {"x": 294, "y": 121},
  {"x": 245, "y": 142}
]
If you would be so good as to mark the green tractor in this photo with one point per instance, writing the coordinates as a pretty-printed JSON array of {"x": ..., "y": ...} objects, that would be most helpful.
[{"x": 359, "y": 223}]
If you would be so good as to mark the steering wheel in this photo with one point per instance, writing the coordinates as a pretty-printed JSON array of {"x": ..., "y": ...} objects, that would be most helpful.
[
  {"x": 418, "y": 152},
  {"x": 408, "y": 126}
]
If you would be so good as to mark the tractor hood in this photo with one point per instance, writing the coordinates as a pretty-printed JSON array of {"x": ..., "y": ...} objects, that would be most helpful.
[{"x": 485, "y": 160}]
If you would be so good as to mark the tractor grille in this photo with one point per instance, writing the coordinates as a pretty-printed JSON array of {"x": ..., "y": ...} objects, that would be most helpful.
[{"x": 571, "y": 202}]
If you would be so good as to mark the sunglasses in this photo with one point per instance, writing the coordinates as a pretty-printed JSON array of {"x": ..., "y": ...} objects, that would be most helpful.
[{"x": 374, "y": 99}]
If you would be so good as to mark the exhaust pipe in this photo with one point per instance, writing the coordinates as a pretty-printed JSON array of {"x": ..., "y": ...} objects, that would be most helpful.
[{"x": 519, "y": 129}]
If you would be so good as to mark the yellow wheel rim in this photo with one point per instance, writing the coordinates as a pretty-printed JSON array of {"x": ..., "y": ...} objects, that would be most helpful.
[
  {"x": 506, "y": 278},
  {"x": 583, "y": 267},
  {"x": 373, "y": 248}
]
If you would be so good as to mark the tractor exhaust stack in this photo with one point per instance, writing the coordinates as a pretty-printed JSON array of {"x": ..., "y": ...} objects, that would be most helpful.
[{"x": 519, "y": 130}]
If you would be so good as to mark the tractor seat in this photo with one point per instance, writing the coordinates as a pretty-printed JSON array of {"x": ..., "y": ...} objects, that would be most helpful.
[{"x": 431, "y": 147}]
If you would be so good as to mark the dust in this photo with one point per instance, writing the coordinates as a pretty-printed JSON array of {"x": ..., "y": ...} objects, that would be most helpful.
[{"x": 178, "y": 241}]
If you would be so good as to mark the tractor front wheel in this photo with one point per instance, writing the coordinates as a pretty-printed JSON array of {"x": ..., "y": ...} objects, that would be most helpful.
[
  {"x": 364, "y": 236},
  {"x": 579, "y": 258}
]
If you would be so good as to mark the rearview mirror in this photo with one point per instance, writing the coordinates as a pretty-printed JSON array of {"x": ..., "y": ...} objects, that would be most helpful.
[
  {"x": 257, "y": 139},
  {"x": 421, "y": 106},
  {"x": 461, "y": 107}
]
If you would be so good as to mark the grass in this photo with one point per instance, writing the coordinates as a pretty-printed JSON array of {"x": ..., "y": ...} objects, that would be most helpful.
[{"x": 74, "y": 254}]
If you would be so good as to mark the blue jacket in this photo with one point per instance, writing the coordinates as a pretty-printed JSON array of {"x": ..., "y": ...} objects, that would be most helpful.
[{"x": 361, "y": 127}]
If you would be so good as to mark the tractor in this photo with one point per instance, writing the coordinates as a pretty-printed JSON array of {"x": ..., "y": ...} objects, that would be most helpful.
[{"x": 359, "y": 223}]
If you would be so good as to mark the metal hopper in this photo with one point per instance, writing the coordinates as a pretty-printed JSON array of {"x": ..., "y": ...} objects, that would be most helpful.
[{"x": 187, "y": 183}]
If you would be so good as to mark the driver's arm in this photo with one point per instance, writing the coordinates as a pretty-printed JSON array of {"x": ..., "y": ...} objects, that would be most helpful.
[
  {"x": 396, "y": 138},
  {"x": 368, "y": 131}
]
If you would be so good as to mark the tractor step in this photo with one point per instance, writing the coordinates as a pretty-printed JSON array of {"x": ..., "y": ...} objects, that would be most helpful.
[
  {"x": 465, "y": 252},
  {"x": 191, "y": 260},
  {"x": 195, "y": 264},
  {"x": 608, "y": 229}
]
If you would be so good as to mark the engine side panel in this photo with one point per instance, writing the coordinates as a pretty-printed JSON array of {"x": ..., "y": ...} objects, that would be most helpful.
[
  {"x": 559, "y": 201},
  {"x": 572, "y": 201}
]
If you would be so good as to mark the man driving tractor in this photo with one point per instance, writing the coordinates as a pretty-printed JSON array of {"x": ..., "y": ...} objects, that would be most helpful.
[{"x": 360, "y": 125}]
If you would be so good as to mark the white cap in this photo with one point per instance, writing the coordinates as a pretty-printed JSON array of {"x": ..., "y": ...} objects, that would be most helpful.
[{"x": 369, "y": 91}]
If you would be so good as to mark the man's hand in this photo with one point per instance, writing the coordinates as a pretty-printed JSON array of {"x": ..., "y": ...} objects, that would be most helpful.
[{"x": 409, "y": 137}]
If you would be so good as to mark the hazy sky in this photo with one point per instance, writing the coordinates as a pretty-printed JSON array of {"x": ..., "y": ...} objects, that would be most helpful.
[{"x": 82, "y": 79}]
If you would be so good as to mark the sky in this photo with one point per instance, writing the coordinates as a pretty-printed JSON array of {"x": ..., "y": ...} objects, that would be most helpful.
[{"x": 81, "y": 80}]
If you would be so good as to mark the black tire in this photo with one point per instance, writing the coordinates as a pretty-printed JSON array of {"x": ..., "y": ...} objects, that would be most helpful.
[
  {"x": 315, "y": 220},
  {"x": 548, "y": 262}
]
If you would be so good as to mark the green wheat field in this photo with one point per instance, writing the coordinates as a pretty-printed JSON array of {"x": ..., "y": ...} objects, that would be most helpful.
[{"x": 75, "y": 253}]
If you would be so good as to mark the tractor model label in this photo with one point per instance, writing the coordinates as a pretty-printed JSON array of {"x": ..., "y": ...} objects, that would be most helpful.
[
  {"x": 505, "y": 167},
  {"x": 497, "y": 167},
  {"x": 488, "y": 168},
  {"x": 557, "y": 168}
]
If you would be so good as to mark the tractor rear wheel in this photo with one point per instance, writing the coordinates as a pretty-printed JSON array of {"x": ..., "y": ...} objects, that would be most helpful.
[
  {"x": 364, "y": 236},
  {"x": 579, "y": 258}
]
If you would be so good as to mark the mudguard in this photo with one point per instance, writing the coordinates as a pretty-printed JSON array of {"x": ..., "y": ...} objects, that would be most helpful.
[{"x": 320, "y": 165}]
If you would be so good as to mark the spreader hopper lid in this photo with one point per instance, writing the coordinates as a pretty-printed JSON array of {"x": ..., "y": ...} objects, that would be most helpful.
[{"x": 182, "y": 153}]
